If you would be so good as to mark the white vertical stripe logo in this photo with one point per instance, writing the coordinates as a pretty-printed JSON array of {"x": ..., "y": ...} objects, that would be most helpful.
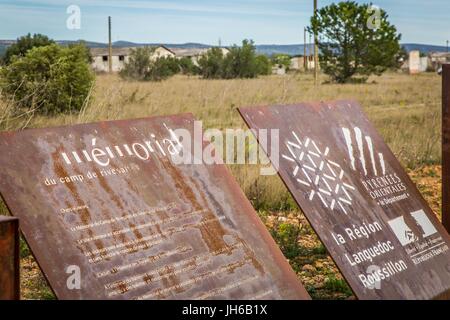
[{"x": 360, "y": 149}]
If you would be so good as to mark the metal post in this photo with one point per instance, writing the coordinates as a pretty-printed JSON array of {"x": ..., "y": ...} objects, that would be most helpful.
[
  {"x": 9, "y": 259},
  {"x": 446, "y": 146},
  {"x": 311, "y": 50},
  {"x": 109, "y": 45},
  {"x": 316, "y": 49},
  {"x": 305, "y": 62}
]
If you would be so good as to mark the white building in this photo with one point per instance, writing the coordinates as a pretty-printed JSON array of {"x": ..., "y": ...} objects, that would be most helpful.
[
  {"x": 437, "y": 59},
  {"x": 120, "y": 56},
  {"x": 298, "y": 63},
  {"x": 416, "y": 63},
  {"x": 194, "y": 53}
]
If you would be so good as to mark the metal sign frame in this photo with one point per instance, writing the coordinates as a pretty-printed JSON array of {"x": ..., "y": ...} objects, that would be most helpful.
[
  {"x": 446, "y": 146},
  {"x": 9, "y": 259}
]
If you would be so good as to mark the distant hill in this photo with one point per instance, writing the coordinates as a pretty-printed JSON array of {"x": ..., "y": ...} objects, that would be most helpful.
[
  {"x": 297, "y": 49},
  {"x": 189, "y": 45},
  {"x": 289, "y": 49},
  {"x": 266, "y": 49},
  {"x": 424, "y": 48}
]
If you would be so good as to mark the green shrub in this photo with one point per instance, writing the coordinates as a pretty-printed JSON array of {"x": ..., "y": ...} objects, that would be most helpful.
[
  {"x": 337, "y": 285},
  {"x": 142, "y": 67},
  {"x": 211, "y": 64},
  {"x": 137, "y": 66},
  {"x": 84, "y": 48},
  {"x": 49, "y": 80},
  {"x": 263, "y": 65},
  {"x": 282, "y": 60},
  {"x": 240, "y": 62},
  {"x": 287, "y": 235},
  {"x": 188, "y": 67},
  {"x": 162, "y": 68},
  {"x": 24, "y": 44}
]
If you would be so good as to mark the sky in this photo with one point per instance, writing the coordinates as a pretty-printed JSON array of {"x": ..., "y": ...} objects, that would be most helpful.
[{"x": 207, "y": 21}]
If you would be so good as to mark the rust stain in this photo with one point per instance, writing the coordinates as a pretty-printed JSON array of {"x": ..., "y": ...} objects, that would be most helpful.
[
  {"x": 60, "y": 171},
  {"x": 212, "y": 232},
  {"x": 114, "y": 197},
  {"x": 169, "y": 279},
  {"x": 177, "y": 179}
]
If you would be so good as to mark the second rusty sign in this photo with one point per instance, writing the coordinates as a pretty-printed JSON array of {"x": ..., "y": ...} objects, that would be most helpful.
[
  {"x": 446, "y": 146},
  {"x": 379, "y": 230}
]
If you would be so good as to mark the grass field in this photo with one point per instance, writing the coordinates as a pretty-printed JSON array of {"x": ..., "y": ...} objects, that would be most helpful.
[{"x": 405, "y": 109}]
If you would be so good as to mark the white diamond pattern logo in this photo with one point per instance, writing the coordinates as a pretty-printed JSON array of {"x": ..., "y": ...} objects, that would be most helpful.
[{"x": 313, "y": 169}]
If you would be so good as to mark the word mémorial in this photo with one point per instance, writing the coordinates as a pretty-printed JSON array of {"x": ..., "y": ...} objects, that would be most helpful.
[{"x": 142, "y": 150}]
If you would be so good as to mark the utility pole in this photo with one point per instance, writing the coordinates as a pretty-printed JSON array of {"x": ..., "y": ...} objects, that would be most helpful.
[
  {"x": 310, "y": 49},
  {"x": 447, "y": 46},
  {"x": 305, "y": 62},
  {"x": 316, "y": 49},
  {"x": 109, "y": 45}
]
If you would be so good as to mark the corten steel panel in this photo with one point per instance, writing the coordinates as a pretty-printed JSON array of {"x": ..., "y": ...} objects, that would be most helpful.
[
  {"x": 9, "y": 259},
  {"x": 379, "y": 230},
  {"x": 135, "y": 224},
  {"x": 446, "y": 146}
]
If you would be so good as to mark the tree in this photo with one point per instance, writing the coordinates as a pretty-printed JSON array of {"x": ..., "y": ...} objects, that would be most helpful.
[
  {"x": 24, "y": 44},
  {"x": 143, "y": 67},
  {"x": 86, "y": 51},
  {"x": 263, "y": 65},
  {"x": 241, "y": 61},
  {"x": 139, "y": 63},
  {"x": 211, "y": 64},
  {"x": 356, "y": 40},
  {"x": 49, "y": 80},
  {"x": 162, "y": 68},
  {"x": 188, "y": 67},
  {"x": 282, "y": 60}
]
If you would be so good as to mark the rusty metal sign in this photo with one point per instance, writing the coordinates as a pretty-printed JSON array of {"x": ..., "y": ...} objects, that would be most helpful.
[
  {"x": 9, "y": 259},
  {"x": 379, "y": 230},
  {"x": 446, "y": 146},
  {"x": 109, "y": 215}
]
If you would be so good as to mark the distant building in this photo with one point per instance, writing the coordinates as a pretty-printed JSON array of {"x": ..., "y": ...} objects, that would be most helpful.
[
  {"x": 279, "y": 69},
  {"x": 163, "y": 52},
  {"x": 120, "y": 56},
  {"x": 100, "y": 59},
  {"x": 194, "y": 53},
  {"x": 437, "y": 59},
  {"x": 416, "y": 63},
  {"x": 298, "y": 63}
]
